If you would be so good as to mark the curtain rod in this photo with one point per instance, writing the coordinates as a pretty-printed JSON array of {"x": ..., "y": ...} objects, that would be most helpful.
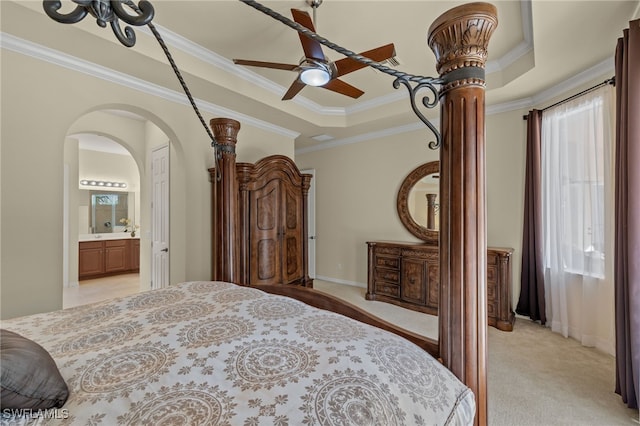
[{"x": 611, "y": 81}]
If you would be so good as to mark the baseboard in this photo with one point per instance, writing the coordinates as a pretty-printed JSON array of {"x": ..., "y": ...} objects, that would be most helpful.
[{"x": 339, "y": 281}]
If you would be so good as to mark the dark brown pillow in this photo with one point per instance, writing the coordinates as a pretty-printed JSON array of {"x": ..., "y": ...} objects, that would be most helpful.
[{"x": 30, "y": 377}]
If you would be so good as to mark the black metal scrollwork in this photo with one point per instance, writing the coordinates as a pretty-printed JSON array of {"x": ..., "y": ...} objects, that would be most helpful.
[
  {"x": 429, "y": 101},
  {"x": 105, "y": 11},
  {"x": 112, "y": 11}
]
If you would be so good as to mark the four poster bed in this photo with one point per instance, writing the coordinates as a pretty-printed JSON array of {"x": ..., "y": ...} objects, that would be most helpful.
[{"x": 221, "y": 353}]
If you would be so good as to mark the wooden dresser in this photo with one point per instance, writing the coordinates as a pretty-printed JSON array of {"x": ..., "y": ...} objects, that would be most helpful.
[{"x": 407, "y": 274}]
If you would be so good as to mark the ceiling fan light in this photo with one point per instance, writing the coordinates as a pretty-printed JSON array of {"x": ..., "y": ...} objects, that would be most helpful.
[{"x": 315, "y": 76}]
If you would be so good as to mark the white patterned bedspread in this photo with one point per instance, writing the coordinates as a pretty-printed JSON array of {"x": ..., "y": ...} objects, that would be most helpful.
[{"x": 213, "y": 353}]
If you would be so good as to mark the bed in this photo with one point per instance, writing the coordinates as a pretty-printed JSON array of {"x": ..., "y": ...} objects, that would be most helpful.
[{"x": 219, "y": 353}]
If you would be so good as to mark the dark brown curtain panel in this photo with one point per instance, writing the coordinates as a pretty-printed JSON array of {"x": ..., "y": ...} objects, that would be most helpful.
[
  {"x": 531, "y": 301},
  {"x": 627, "y": 215}
]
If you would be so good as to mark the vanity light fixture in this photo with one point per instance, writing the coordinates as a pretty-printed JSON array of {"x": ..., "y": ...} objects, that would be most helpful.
[{"x": 86, "y": 182}]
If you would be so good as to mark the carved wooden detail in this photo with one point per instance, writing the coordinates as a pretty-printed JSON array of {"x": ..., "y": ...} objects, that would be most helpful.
[
  {"x": 225, "y": 265},
  {"x": 408, "y": 275},
  {"x": 259, "y": 216},
  {"x": 405, "y": 274},
  {"x": 460, "y": 37},
  {"x": 272, "y": 215},
  {"x": 459, "y": 40}
]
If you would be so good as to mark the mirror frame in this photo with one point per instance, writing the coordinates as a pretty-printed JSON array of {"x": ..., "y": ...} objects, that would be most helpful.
[{"x": 402, "y": 202}]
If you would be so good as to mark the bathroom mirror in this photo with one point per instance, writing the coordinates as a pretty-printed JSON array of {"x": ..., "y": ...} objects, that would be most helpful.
[
  {"x": 418, "y": 202},
  {"x": 106, "y": 209}
]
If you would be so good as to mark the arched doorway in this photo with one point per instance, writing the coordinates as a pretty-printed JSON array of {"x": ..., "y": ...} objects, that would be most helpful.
[{"x": 116, "y": 145}]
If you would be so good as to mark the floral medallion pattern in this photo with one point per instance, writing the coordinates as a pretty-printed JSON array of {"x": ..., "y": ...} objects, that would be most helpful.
[
  {"x": 268, "y": 309},
  {"x": 152, "y": 299},
  {"x": 269, "y": 363},
  {"x": 213, "y": 353},
  {"x": 182, "y": 404},
  {"x": 110, "y": 335},
  {"x": 215, "y": 331},
  {"x": 329, "y": 328},
  {"x": 414, "y": 374},
  {"x": 351, "y": 398}
]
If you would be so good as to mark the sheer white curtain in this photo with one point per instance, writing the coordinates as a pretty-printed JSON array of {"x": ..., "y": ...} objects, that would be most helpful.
[{"x": 577, "y": 210}]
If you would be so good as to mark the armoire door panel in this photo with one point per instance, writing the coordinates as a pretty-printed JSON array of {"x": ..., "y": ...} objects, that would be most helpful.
[
  {"x": 293, "y": 257},
  {"x": 267, "y": 261},
  {"x": 266, "y": 204},
  {"x": 293, "y": 233},
  {"x": 265, "y": 264},
  {"x": 293, "y": 210}
]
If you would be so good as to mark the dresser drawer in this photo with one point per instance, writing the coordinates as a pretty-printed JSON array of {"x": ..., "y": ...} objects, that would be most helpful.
[
  {"x": 388, "y": 262},
  {"x": 491, "y": 273},
  {"x": 492, "y": 310},
  {"x": 85, "y": 245},
  {"x": 387, "y": 289},
  {"x": 491, "y": 287},
  {"x": 116, "y": 243},
  {"x": 387, "y": 275}
]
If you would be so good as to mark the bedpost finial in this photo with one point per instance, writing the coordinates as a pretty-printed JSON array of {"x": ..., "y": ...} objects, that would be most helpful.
[
  {"x": 459, "y": 37},
  {"x": 225, "y": 130}
]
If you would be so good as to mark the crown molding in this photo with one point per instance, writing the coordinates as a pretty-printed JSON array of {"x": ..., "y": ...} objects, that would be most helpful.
[
  {"x": 547, "y": 95},
  {"x": 37, "y": 51},
  {"x": 366, "y": 137},
  {"x": 197, "y": 51},
  {"x": 522, "y": 48},
  {"x": 201, "y": 53},
  {"x": 40, "y": 52},
  {"x": 605, "y": 67}
]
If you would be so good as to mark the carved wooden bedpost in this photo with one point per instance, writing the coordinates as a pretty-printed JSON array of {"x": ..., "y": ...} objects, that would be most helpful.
[
  {"x": 225, "y": 261},
  {"x": 459, "y": 39}
]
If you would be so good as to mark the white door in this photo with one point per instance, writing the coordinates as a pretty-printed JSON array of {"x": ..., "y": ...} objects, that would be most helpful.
[
  {"x": 160, "y": 217},
  {"x": 311, "y": 222}
]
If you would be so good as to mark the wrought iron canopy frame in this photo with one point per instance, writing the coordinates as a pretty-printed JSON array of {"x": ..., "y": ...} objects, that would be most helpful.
[{"x": 112, "y": 11}]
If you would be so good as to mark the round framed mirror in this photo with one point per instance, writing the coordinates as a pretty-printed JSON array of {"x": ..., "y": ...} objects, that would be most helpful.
[{"x": 419, "y": 200}]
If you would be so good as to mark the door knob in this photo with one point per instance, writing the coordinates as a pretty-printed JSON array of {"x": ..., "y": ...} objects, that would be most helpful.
[{"x": 166, "y": 250}]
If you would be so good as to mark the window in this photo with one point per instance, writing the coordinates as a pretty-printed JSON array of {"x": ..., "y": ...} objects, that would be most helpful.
[{"x": 575, "y": 138}]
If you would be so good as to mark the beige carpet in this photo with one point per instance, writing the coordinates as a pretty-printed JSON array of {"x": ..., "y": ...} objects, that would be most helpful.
[{"x": 535, "y": 377}]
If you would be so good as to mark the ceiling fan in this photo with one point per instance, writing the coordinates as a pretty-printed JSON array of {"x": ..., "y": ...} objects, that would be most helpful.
[{"x": 315, "y": 69}]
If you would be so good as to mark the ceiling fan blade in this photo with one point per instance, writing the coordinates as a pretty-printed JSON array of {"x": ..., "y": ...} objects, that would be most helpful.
[
  {"x": 294, "y": 89},
  {"x": 347, "y": 65},
  {"x": 343, "y": 88},
  {"x": 261, "y": 64},
  {"x": 312, "y": 49}
]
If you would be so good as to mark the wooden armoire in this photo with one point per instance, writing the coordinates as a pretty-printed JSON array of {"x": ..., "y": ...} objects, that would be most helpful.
[
  {"x": 259, "y": 216},
  {"x": 272, "y": 213}
]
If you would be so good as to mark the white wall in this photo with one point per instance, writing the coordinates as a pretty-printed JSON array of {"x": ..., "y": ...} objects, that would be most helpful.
[
  {"x": 357, "y": 185},
  {"x": 41, "y": 102}
]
